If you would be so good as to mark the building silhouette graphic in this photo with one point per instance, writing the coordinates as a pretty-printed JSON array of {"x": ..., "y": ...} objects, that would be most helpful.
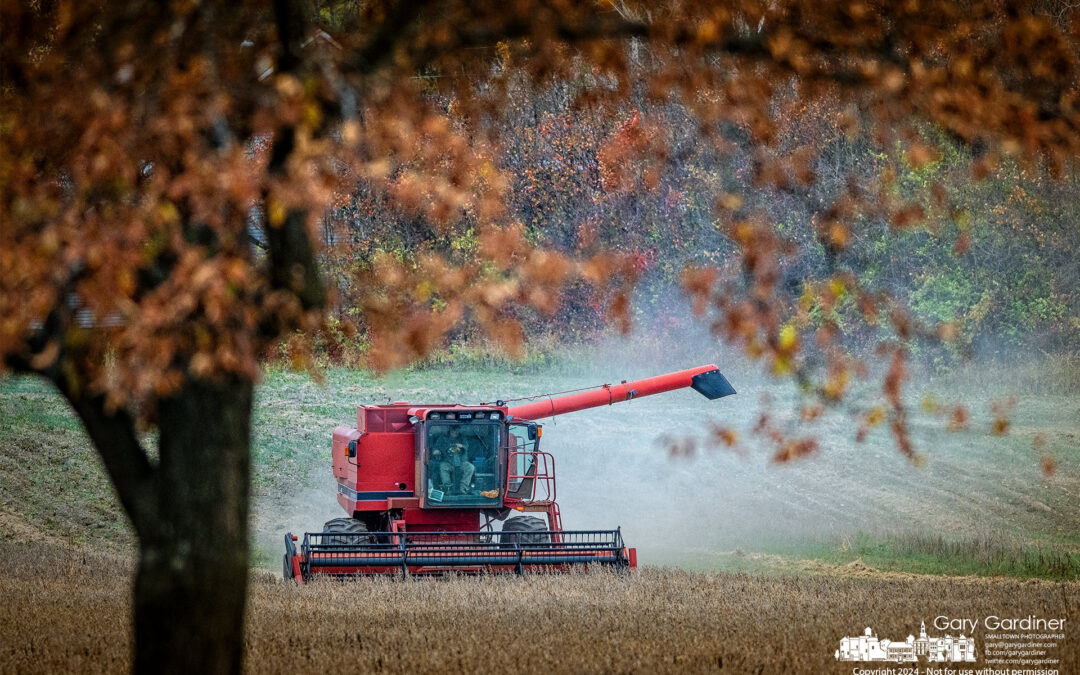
[{"x": 868, "y": 647}]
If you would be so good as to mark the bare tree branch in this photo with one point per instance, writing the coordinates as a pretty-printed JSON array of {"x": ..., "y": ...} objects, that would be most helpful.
[
  {"x": 381, "y": 45},
  {"x": 111, "y": 431},
  {"x": 292, "y": 262},
  {"x": 114, "y": 436}
]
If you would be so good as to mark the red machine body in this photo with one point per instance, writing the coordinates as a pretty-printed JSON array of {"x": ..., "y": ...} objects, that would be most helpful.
[
  {"x": 379, "y": 483},
  {"x": 422, "y": 486},
  {"x": 610, "y": 393}
]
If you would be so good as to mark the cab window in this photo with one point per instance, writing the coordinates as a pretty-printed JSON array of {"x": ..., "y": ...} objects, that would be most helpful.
[{"x": 463, "y": 463}]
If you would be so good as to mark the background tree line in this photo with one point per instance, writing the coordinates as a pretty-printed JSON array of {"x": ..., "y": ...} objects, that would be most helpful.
[{"x": 986, "y": 245}]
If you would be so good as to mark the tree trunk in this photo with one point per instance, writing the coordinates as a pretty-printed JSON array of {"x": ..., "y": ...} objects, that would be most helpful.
[{"x": 191, "y": 585}]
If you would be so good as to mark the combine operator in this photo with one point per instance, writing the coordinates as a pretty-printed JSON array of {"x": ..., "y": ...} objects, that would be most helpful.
[{"x": 455, "y": 470}]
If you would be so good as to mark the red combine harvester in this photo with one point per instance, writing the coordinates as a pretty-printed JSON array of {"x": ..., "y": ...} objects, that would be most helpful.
[{"x": 416, "y": 480}]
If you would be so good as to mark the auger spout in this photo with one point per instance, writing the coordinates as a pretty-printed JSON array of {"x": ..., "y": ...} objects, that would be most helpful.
[{"x": 706, "y": 380}]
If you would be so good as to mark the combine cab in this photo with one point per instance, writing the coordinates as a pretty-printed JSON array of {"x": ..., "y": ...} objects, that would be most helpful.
[{"x": 423, "y": 486}]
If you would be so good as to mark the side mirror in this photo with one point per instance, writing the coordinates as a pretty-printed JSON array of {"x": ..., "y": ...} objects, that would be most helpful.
[
  {"x": 352, "y": 449},
  {"x": 534, "y": 432}
]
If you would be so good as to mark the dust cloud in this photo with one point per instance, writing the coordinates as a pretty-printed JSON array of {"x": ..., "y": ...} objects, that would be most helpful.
[
  {"x": 296, "y": 511},
  {"x": 615, "y": 467}
]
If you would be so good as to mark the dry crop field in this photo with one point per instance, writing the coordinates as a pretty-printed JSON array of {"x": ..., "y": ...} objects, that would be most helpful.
[
  {"x": 66, "y": 547},
  {"x": 658, "y": 620}
]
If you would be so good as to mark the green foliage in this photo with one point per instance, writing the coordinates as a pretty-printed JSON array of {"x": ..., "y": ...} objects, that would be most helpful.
[
  {"x": 922, "y": 553},
  {"x": 944, "y": 295}
]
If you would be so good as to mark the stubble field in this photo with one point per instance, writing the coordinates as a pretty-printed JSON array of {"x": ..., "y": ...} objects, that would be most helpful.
[{"x": 656, "y": 621}]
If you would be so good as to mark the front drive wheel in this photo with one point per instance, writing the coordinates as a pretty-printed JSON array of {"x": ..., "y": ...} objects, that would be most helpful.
[
  {"x": 345, "y": 526},
  {"x": 525, "y": 530}
]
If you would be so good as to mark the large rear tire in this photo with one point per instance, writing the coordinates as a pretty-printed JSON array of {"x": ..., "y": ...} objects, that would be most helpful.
[
  {"x": 524, "y": 530},
  {"x": 350, "y": 526}
]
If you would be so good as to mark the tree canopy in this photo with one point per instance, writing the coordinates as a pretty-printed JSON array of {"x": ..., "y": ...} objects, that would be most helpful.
[{"x": 167, "y": 168}]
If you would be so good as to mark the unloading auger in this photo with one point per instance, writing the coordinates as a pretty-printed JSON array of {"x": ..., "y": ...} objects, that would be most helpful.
[{"x": 423, "y": 485}]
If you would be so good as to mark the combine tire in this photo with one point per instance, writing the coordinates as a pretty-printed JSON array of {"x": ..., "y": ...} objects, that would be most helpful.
[
  {"x": 345, "y": 526},
  {"x": 524, "y": 530}
]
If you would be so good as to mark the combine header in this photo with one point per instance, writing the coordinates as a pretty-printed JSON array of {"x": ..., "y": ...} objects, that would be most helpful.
[{"x": 417, "y": 480}]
